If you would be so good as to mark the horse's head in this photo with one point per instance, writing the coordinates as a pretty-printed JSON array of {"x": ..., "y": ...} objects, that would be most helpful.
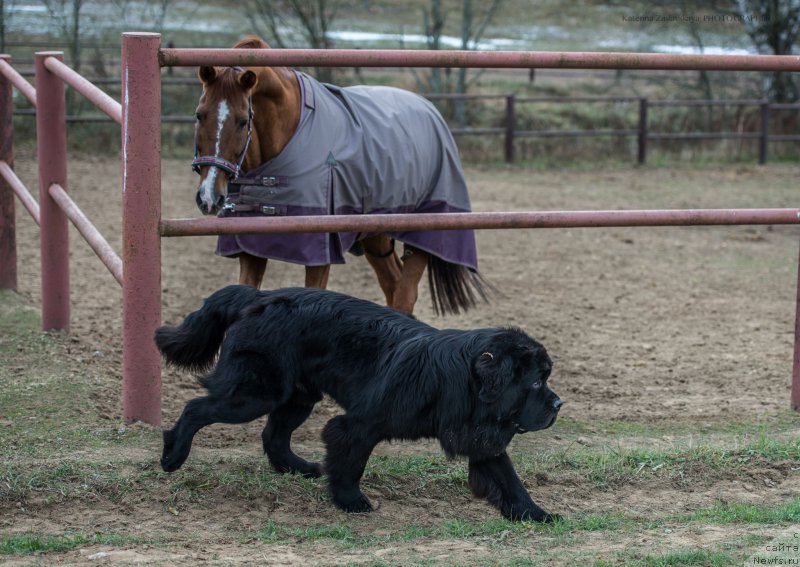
[{"x": 222, "y": 132}]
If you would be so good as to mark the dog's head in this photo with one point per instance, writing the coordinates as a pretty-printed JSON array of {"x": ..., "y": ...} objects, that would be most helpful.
[{"x": 512, "y": 378}]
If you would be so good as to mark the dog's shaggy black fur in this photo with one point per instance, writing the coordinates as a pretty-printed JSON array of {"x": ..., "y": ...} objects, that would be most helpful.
[{"x": 395, "y": 377}]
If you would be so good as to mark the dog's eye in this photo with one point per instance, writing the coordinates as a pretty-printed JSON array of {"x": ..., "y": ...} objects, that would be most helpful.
[{"x": 536, "y": 385}]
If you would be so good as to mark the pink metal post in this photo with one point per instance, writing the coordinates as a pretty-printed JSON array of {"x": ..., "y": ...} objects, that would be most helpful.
[
  {"x": 796, "y": 362},
  {"x": 490, "y": 59},
  {"x": 8, "y": 233},
  {"x": 51, "y": 152},
  {"x": 141, "y": 201}
]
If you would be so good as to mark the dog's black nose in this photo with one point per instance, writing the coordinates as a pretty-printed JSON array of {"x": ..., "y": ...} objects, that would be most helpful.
[{"x": 557, "y": 403}]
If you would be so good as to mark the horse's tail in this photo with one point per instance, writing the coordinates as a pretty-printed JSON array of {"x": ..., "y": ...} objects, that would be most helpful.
[
  {"x": 455, "y": 288},
  {"x": 194, "y": 343}
]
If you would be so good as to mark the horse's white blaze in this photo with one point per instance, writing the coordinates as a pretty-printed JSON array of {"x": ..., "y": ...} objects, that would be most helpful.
[{"x": 207, "y": 186}]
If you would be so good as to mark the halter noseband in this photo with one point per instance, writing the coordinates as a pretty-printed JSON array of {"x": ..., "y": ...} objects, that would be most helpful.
[{"x": 232, "y": 169}]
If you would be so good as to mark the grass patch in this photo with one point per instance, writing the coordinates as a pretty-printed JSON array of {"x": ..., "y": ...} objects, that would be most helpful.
[
  {"x": 736, "y": 513},
  {"x": 22, "y": 544},
  {"x": 683, "y": 557},
  {"x": 781, "y": 421},
  {"x": 45, "y": 398}
]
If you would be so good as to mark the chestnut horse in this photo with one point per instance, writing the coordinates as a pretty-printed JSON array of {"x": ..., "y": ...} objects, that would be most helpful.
[{"x": 246, "y": 118}]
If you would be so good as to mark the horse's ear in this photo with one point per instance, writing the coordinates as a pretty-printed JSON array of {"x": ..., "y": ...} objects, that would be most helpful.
[
  {"x": 207, "y": 74},
  {"x": 248, "y": 80}
]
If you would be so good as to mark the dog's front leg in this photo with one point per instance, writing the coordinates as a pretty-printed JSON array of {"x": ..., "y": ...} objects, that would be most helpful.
[
  {"x": 496, "y": 480},
  {"x": 348, "y": 446},
  {"x": 277, "y": 437}
]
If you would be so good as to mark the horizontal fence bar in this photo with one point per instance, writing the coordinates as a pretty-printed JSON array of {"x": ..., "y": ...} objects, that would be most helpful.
[
  {"x": 460, "y": 96},
  {"x": 28, "y": 201},
  {"x": 608, "y": 99},
  {"x": 704, "y": 136},
  {"x": 182, "y": 119},
  {"x": 715, "y": 102},
  {"x": 459, "y": 221},
  {"x": 572, "y": 133},
  {"x": 21, "y": 84},
  {"x": 89, "y": 232},
  {"x": 477, "y": 131},
  {"x": 92, "y": 93},
  {"x": 494, "y": 59}
]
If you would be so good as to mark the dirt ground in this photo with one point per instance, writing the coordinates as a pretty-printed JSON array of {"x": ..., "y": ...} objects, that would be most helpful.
[{"x": 655, "y": 326}]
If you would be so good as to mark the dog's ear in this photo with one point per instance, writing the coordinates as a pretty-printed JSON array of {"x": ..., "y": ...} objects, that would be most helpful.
[{"x": 493, "y": 374}]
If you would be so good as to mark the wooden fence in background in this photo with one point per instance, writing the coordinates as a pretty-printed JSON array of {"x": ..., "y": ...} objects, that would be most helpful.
[{"x": 511, "y": 133}]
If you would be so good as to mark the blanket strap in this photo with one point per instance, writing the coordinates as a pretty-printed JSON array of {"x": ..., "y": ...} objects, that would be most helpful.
[{"x": 271, "y": 181}]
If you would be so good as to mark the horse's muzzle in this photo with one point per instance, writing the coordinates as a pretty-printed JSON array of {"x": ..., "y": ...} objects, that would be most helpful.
[{"x": 213, "y": 209}]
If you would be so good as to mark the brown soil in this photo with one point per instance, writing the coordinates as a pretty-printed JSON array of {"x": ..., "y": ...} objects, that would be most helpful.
[{"x": 667, "y": 325}]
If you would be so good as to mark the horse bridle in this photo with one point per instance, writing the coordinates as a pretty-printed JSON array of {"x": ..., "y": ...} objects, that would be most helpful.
[{"x": 232, "y": 169}]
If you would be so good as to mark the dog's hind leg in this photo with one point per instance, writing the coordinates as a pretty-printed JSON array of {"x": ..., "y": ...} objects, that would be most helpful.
[
  {"x": 277, "y": 438},
  {"x": 495, "y": 479},
  {"x": 348, "y": 445},
  {"x": 200, "y": 412}
]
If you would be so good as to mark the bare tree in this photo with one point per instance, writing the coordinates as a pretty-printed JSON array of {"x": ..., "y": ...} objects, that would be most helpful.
[
  {"x": 473, "y": 27},
  {"x": 773, "y": 26},
  {"x": 474, "y": 22},
  {"x": 6, "y": 9},
  {"x": 67, "y": 17},
  {"x": 433, "y": 26},
  {"x": 285, "y": 22}
]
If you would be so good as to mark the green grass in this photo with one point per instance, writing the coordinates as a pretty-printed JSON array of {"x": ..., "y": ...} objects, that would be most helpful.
[
  {"x": 735, "y": 513},
  {"x": 22, "y": 544},
  {"x": 676, "y": 558}
]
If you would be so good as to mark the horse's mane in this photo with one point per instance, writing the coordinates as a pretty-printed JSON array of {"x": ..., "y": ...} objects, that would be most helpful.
[{"x": 227, "y": 75}]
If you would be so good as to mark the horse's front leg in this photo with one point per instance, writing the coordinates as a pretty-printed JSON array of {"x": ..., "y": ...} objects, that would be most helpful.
[
  {"x": 405, "y": 296},
  {"x": 379, "y": 251},
  {"x": 317, "y": 276},
  {"x": 251, "y": 270}
]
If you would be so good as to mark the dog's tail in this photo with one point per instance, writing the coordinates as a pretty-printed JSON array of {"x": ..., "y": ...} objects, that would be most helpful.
[
  {"x": 455, "y": 288},
  {"x": 194, "y": 343}
]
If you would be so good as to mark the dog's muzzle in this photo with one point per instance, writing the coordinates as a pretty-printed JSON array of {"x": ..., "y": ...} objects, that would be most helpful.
[{"x": 555, "y": 406}]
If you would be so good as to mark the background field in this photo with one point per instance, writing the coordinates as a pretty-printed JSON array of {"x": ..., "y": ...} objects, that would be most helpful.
[{"x": 672, "y": 349}]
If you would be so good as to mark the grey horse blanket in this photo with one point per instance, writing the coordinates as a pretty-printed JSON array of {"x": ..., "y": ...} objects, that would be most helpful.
[{"x": 356, "y": 150}]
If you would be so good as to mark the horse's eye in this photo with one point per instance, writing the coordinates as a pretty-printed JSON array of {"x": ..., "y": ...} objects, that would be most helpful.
[
  {"x": 242, "y": 123},
  {"x": 199, "y": 116},
  {"x": 536, "y": 385}
]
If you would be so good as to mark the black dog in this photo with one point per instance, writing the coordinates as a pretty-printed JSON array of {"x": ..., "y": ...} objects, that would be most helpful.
[{"x": 395, "y": 377}]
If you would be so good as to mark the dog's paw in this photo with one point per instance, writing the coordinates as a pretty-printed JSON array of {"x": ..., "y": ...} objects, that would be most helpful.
[
  {"x": 171, "y": 463},
  {"x": 534, "y": 515},
  {"x": 170, "y": 460},
  {"x": 313, "y": 470},
  {"x": 298, "y": 466},
  {"x": 354, "y": 502}
]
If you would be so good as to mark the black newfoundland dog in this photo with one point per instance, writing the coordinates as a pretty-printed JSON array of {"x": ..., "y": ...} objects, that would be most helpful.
[{"x": 395, "y": 377}]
